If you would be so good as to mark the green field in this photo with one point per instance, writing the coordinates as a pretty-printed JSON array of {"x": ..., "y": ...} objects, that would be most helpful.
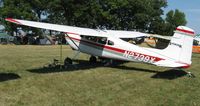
[{"x": 24, "y": 81}]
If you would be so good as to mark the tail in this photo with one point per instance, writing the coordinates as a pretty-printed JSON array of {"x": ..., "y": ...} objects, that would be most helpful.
[{"x": 180, "y": 46}]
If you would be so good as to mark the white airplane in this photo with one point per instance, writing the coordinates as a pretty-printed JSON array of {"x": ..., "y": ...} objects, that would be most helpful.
[{"x": 109, "y": 44}]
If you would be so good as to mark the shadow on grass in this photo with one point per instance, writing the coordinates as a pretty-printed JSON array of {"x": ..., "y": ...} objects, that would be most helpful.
[
  {"x": 8, "y": 76},
  {"x": 85, "y": 65},
  {"x": 169, "y": 74},
  {"x": 77, "y": 66},
  {"x": 81, "y": 65}
]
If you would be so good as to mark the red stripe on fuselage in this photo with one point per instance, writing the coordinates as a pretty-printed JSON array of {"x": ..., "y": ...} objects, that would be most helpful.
[
  {"x": 114, "y": 49},
  {"x": 185, "y": 31}
]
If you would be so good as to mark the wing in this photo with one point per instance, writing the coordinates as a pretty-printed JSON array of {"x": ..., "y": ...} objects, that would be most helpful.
[
  {"x": 79, "y": 30},
  {"x": 60, "y": 28},
  {"x": 127, "y": 34}
]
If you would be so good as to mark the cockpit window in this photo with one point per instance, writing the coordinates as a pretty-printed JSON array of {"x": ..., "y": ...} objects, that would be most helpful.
[{"x": 100, "y": 40}]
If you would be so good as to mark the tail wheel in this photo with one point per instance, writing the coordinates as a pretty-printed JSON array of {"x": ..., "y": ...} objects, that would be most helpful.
[{"x": 93, "y": 59}]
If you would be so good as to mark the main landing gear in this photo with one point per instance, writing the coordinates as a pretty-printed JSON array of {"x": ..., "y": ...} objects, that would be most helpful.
[
  {"x": 104, "y": 61},
  {"x": 69, "y": 62},
  {"x": 93, "y": 59}
]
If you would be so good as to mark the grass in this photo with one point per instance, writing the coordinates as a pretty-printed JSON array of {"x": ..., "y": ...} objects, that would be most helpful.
[{"x": 24, "y": 81}]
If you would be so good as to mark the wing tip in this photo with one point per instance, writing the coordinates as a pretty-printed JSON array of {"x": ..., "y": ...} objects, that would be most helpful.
[{"x": 12, "y": 20}]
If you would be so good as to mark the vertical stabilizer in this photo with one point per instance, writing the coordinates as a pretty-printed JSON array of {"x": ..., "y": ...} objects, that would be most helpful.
[{"x": 180, "y": 46}]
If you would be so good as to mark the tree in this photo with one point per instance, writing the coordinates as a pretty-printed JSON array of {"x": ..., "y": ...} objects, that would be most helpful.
[
  {"x": 15, "y": 9},
  {"x": 111, "y": 14},
  {"x": 81, "y": 13},
  {"x": 141, "y": 15},
  {"x": 176, "y": 18},
  {"x": 23, "y": 9},
  {"x": 39, "y": 8},
  {"x": 173, "y": 19}
]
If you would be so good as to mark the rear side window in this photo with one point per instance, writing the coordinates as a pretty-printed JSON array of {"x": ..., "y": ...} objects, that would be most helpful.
[{"x": 110, "y": 42}]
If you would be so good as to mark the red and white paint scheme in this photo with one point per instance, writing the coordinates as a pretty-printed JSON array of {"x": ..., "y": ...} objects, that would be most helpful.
[{"x": 108, "y": 43}]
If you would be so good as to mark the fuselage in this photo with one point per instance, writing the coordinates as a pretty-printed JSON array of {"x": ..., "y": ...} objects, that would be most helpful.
[
  {"x": 116, "y": 48},
  {"x": 113, "y": 48}
]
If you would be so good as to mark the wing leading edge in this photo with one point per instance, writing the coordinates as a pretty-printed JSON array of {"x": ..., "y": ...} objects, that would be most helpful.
[{"x": 60, "y": 28}]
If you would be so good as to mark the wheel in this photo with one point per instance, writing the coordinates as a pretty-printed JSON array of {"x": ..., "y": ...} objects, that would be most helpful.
[
  {"x": 93, "y": 59},
  {"x": 67, "y": 61}
]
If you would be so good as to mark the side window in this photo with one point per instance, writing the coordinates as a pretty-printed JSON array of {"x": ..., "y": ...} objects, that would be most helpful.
[
  {"x": 110, "y": 42},
  {"x": 90, "y": 38},
  {"x": 102, "y": 40}
]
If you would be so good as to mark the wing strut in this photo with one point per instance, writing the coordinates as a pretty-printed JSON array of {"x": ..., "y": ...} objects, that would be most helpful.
[{"x": 68, "y": 61}]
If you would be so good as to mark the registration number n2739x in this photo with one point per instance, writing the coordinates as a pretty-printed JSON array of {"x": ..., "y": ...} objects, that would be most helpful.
[{"x": 139, "y": 57}]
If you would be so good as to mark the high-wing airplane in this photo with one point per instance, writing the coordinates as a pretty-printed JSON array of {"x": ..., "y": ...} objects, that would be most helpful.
[{"x": 110, "y": 44}]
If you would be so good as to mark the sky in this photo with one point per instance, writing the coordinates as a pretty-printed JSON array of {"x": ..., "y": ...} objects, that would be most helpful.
[{"x": 191, "y": 8}]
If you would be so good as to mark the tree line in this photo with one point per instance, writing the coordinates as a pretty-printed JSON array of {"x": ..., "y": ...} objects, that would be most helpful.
[{"x": 141, "y": 15}]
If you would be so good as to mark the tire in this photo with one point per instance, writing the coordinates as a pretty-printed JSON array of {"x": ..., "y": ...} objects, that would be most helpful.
[{"x": 93, "y": 59}]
